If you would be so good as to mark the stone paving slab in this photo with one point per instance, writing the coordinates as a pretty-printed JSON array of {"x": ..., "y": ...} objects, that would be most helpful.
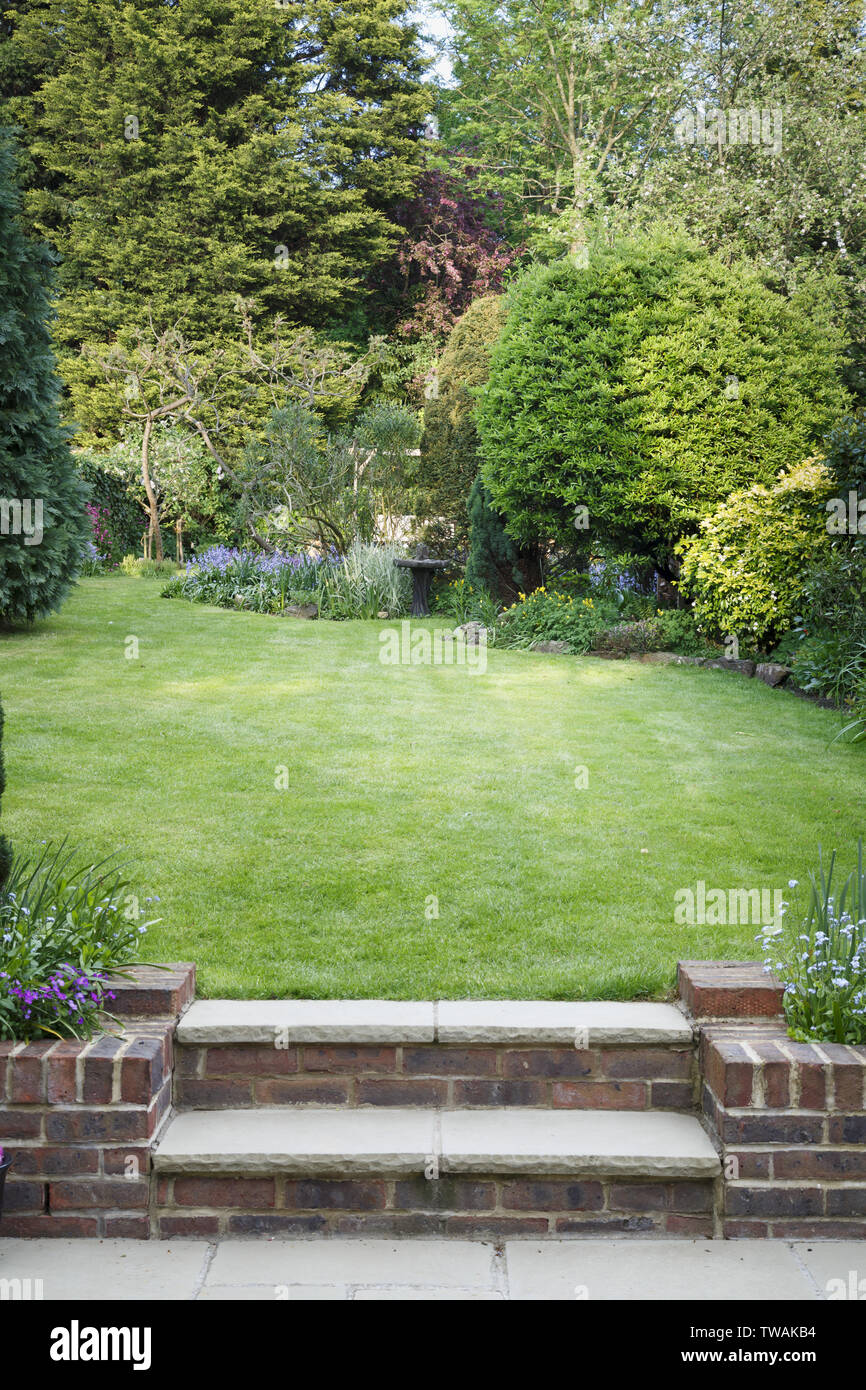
[
  {"x": 438, "y": 1264},
  {"x": 653, "y": 1144},
  {"x": 93, "y": 1269},
  {"x": 367, "y": 1270},
  {"x": 306, "y": 1021},
  {"x": 526, "y": 1021},
  {"x": 300, "y": 1141}
]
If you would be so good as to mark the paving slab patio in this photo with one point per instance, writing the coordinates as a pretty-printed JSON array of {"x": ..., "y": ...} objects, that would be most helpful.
[{"x": 433, "y": 1270}]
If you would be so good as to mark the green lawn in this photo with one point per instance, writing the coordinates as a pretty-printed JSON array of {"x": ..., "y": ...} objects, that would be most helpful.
[{"x": 404, "y": 783}]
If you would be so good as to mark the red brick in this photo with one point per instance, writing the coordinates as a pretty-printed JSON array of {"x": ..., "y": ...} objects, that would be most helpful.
[
  {"x": 61, "y": 1072},
  {"x": 251, "y": 1060},
  {"x": 26, "y": 1084},
  {"x": 671, "y": 1095},
  {"x": 606, "y": 1225},
  {"x": 527, "y": 1195},
  {"x": 275, "y": 1224},
  {"x": 217, "y": 1091},
  {"x": 494, "y": 1093},
  {"x": 114, "y": 1161},
  {"x": 110, "y": 1126},
  {"x": 350, "y": 1059},
  {"x": 823, "y": 1165},
  {"x": 749, "y": 1164},
  {"x": 190, "y": 1061},
  {"x": 171, "y": 1227},
  {"x": 127, "y": 1227},
  {"x": 695, "y": 1227},
  {"x": 21, "y": 1124},
  {"x": 482, "y": 1227},
  {"x": 392, "y": 1224},
  {"x": 662, "y": 1064},
  {"x": 550, "y": 1062},
  {"x": 141, "y": 1073},
  {"x": 444, "y": 1194},
  {"x": 728, "y": 989},
  {"x": 406, "y": 1091},
  {"x": 30, "y": 1225},
  {"x": 23, "y": 1196},
  {"x": 449, "y": 1061},
  {"x": 774, "y": 1201},
  {"x": 301, "y": 1090},
  {"x": 746, "y": 1230},
  {"x": 337, "y": 1195},
  {"x": 99, "y": 1071},
  {"x": 150, "y": 990},
  {"x": 223, "y": 1192},
  {"x": 818, "y": 1230},
  {"x": 728, "y": 1071},
  {"x": 848, "y": 1081},
  {"x": 599, "y": 1095},
  {"x": 639, "y": 1196},
  {"x": 60, "y": 1161},
  {"x": 846, "y": 1201},
  {"x": 80, "y": 1196},
  {"x": 692, "y": 1196}
]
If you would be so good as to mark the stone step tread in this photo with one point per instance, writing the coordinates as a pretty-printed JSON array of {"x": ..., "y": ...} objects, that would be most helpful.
[
  {"x": 343, "y": 1142},
  {"x": 483, "y": 1021}
]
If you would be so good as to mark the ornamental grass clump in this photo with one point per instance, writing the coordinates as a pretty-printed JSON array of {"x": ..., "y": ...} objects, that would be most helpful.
[
  {"x": 66, "y": 927},
  {"x": 823, "y": 966}
]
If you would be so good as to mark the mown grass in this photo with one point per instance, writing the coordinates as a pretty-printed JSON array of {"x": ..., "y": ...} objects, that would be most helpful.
[{"x": 410, "y": 789}]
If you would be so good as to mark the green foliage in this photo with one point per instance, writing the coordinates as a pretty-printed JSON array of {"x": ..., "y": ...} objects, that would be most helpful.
[
  {"x": 65, "y": 927},
  {"x": 624, "y": 638},
  {"x": 183, "y": 154},
  {"x": 495, "y": 562},
  {"x": 678, "y": 632},
  {"x": 110, "y": 491},
  {"x": 552, "y": 617},
  {"x": 43, "y": 526},
  {"x": 449, "y": 444},
  {"x": 5, "y": 848},
  {"x": 647, "y": 388},
  {"x": 364, "y": 583},
  {"x": 746, "y": 568},
  {"x": 822, "y": 959},
  {"x": 140, "y": 568}
]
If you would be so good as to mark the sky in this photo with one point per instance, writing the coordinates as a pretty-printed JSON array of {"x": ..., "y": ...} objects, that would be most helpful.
[{"x": 435, "y": 24}]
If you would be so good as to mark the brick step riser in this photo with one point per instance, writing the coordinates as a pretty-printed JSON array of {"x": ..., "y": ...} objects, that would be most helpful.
[
  {"x": 218, "y": 1076},
  {"x": 481, "y": 1207}
]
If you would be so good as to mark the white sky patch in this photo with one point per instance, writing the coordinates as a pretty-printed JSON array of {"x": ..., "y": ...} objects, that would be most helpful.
[{"x": 435, "y": 26}]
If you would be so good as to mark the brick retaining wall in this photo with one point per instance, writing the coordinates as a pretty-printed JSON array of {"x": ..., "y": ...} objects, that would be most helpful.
[{"x": 81, "y": 1118}]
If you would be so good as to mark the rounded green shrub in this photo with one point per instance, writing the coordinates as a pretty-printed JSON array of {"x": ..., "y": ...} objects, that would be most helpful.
[
  {"x": 747, "y": 568},
  {"x": 627, "y": 399}
]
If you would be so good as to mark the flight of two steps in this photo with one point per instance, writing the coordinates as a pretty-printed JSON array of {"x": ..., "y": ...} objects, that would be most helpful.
[{"x": 468, "y": 1118}]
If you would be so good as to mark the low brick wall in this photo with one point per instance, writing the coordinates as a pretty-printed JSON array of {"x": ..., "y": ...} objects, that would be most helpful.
[
  {"x": 482, "y": 1208},
  {"x": 604, "y": 1078},
  {"x": 81, "y": 1118},
  {"x": 789, "y": 1118}
]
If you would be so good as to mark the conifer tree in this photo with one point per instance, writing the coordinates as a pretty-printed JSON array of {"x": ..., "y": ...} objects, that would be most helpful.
[{"x": 43, "y": 524}]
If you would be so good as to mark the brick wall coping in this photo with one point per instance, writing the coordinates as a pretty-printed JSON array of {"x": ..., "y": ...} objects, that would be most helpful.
[
  {"x": 381, "y": 1021},
  {"x": 728, "y": 989}
]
